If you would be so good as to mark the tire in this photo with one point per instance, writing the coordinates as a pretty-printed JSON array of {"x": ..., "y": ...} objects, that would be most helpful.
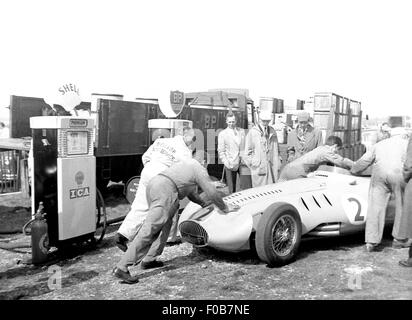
[
  {"x": 130, "y": 188},
  {"x": 274, "y": 218}
]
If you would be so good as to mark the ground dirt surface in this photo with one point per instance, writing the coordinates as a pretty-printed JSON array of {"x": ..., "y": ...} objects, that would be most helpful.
[{"x": 337, "y": 268}]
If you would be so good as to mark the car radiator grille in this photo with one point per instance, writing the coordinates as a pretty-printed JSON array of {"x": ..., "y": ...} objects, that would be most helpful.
[{"x": 193, "y": 233}]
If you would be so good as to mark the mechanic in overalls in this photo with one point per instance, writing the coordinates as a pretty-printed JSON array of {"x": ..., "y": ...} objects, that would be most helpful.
[
  {"x": 160, "y": 156},
  {"x": 387, "y": 158},
  {"x": 405, "y": 230},
  {"x": 311, "y": 161},
  {"x": 262, "y": 152},
  {"x": 163, "y": 194}
]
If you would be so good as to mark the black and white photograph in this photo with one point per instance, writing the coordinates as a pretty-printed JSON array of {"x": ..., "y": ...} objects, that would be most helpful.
[{"x": 205, "y": 156}]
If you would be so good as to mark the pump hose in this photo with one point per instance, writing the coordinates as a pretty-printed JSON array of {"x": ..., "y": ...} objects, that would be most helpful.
[{"x": 26, "y": 225}]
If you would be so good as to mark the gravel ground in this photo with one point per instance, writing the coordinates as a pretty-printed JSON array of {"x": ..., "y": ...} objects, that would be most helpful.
[{"x": 336, "y": 268}]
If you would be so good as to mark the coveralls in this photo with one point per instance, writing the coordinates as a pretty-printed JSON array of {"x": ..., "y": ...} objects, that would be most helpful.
[
  {"x": 163, "y": 194},
  {"x": 387, "y": 158},
  {"x": 262, "y": 155},
  {"x": 160, "y": 156},
  {"x": 231, "y": 145},
  {"x": 405, "y": 228},
  {"x": 311, "y": 161}
]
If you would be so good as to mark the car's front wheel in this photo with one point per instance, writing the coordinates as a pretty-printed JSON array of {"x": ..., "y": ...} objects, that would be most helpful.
[{"x": 278, "y": 234}]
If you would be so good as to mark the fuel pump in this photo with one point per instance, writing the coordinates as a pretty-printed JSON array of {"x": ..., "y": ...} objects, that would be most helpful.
[{"x": 63, "y": 174}]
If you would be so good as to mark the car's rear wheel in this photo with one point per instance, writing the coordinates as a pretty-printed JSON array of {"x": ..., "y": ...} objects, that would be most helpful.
[{"x": 278, "y": 234}]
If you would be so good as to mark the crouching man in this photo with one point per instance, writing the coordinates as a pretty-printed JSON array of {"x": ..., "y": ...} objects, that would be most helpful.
[{"x": 163, "y": 193}]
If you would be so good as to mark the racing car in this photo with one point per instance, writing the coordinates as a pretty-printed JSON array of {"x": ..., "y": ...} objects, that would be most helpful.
[{"x": 274, "y": 218}]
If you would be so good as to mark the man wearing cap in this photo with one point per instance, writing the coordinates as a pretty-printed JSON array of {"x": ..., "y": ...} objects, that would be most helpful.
[
  {"x": 262, "y": 152},
  {"x": 387, "y": 158},
  {"x": 304, "y": 138}
]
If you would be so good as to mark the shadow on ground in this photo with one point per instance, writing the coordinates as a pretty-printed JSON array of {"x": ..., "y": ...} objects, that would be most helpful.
[{"x": 44, "y": 286}]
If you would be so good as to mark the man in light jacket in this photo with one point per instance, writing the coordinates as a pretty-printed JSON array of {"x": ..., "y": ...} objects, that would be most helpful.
[
  {"x": 262, "y": 152},
  {"x": 161, "y": 155},
  {"x": 231, "y": 144}
]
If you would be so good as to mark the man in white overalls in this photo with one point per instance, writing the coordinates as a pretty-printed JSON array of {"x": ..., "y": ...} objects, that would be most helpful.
[{"x": 160, "y": 156}]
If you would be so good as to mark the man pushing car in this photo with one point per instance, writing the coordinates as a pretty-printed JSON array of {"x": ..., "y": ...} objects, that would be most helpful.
[{"x": 163, "y": 193}]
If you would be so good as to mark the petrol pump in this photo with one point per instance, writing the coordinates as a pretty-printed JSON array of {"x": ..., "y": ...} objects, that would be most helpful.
[{"x": 63, "y": 174}]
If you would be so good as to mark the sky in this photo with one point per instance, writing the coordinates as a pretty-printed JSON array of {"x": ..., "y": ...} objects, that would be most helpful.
[{"x": 285, "y": 49}]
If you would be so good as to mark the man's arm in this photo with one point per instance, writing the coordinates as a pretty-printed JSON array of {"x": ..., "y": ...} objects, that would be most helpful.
[
  {"x": 338, "y": 160},
  {"x": 221, "y": 148},
  {"x": 148, "y": 154},
  {"x": 196, "y": 198},
  {"x": 364, "y": 162},
  {"x": 203, "y": 181},
  {"x": 251, "y": 158}
]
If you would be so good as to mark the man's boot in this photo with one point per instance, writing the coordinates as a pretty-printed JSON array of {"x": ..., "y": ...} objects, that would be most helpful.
[{"x": 408, "y": 262}]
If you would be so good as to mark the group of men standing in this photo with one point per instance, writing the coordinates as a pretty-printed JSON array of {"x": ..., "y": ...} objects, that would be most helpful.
[{"x": 255, "y": 156}]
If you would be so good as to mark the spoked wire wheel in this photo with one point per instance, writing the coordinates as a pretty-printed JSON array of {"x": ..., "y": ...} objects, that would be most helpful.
[
  {"x": 278, "y": 234},
  {"x": 101, "y": 218},
  {"x": 284, "y": 235}
]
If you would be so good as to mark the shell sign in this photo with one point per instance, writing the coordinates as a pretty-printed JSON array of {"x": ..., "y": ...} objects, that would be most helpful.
[{"x": 67, "y": 96}]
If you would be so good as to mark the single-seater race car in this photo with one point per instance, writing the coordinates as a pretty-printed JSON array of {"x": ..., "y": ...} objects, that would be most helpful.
[{"x": 330, "y": 202}]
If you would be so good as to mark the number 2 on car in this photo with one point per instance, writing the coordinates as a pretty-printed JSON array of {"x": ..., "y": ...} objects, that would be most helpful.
[{"x": 355, "y": 208}]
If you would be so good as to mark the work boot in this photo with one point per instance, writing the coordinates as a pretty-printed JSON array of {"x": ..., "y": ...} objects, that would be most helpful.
[
  {"x": 371, "y": 247},
  {"x": 401, "y": 243},
  {"x": 151, "y": 264},
  {"x": 125, "y": 276},
  {"x": 120, "y": 241},
  {"x": 406, "y": 263}
]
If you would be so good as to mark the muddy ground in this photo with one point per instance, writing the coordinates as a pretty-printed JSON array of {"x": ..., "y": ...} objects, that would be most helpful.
[{"x": 336, "y": 268}]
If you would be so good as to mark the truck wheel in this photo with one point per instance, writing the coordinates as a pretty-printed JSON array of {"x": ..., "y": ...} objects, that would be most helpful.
[
  {"x": 278, "y": 234},
  {"x": 131, "y": 188}
]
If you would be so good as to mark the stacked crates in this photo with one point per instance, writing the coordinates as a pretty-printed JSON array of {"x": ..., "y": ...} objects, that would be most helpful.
[
  {"x": 273, "y": 105},
  {"x": 340, "y": 116}
]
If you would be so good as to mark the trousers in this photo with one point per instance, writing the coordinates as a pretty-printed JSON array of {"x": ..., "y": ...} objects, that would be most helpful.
[
  {"x": 245, "y": 181},
  {"x": 382, "y": 186},
  {"x": 150, "y": 241},
  {"x": 138, "y": 213}
]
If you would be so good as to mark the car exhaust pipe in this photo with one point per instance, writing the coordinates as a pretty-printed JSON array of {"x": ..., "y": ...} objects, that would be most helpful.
[{"x": 324, "y": 233}]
